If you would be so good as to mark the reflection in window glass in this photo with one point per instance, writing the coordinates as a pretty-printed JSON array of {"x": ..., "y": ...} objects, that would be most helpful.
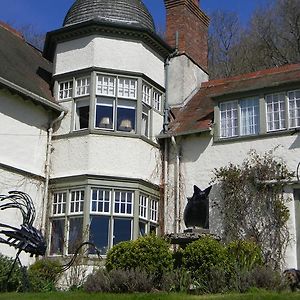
[
  {"x": 59, "y": 203},
  {"x": 75, "y": 234},
  {"x": 249, "y": 116},
  {"x": 294, "y": 108},
  {"x": 145, "y": 121},
  {"x": 229, "y": 119},
  {"x": 124, "y": 202},
  {"x": 106, "y": 85},
  {"x": 100, "y": 201},
  {"x": 82, "y": 86},
  {"x": 104, "y": 113},
  {"x": 57, "y": 237},
  {"x": 122, "y": 230},
  {"x": 127, "y": 88},
  {"x": 142, "y": 229},
  {"x": 65, "y": 90},
  {"x": 82, "y": 109},
  {"x": 126, "y": 115},
  {"x": 275, "y": 112},
  {"x": 77, "y": 201},
  {"x": 99, "y": 230}
]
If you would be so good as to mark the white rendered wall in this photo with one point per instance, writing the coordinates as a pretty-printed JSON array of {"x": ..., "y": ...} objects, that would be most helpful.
[
  {"x": 184, "y": 79},
  {"x": 200, "y": 155},
  {"x": 109, "y": 53},
  {"x": 106, "y": 155},
  {"x": 23, "y": 134}
]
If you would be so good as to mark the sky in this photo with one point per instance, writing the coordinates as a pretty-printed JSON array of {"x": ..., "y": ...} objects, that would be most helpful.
[{"x": 47, "y": 15}]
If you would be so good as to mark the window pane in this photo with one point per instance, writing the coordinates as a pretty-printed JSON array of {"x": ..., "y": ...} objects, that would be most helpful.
[
  {"x": 65, "y": 90},
  {"x": 106, "y": 85},
  {"x": 83, "y": 86},
  {"x": 249, "y": 116},
  {"x": 275, "y": 112},
  {"x": 59, "y": 203},
  {"x": 57, "y": 237},
  {"x": 99, "y": 230},
  {"x": 145, "y": 121},
  {"x": 104, "y": 113},
  {"x": 75, "y": 234},
  {"x": 157, "y": 100},
  {"x": 146, "y": 98},
  {"x": 229, "y": 121},
  {"x": 122, "y": 230},
  {"x": 142, "y": 229},
  {"x": 294, "y": 108},
  {"x": 127, "y": 88},
  {"x": 143, "y": 207},
  {"x": 123, "y": 202},
  {"x": 100, "y": 201},
  {"x": 82, "y": 112},
  {"x": 126, "y": 115},
  {"x": 153, "y": 210},
  {"x": 77, "y": 201}
]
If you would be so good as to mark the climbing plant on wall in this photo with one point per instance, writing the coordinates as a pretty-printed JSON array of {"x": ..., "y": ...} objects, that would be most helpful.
[{"x": 252, "y": 205}]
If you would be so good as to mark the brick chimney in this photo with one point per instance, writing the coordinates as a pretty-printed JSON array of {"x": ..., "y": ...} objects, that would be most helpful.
[{"x": 185, "y": 18}]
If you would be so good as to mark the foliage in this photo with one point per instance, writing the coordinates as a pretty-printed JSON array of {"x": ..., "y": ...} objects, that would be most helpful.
[
  {"x": 43, "y": 275},
  {"x": 14, "y": 283},
  {"x": 119, "y": 281},
  {"x": 244, "y": 255},
  {"x": 252, "y": 204},
  {"x": 150, "y": 253},
  {"x": 203, "y": 255},
  {"x": 270, "y": 39}
]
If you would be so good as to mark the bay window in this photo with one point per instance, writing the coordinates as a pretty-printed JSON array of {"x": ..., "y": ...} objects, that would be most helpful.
[
  {"x": 117, "y": 99},
  {"x": 294, "y": 108},
  {"x": 108, "y": 215}
]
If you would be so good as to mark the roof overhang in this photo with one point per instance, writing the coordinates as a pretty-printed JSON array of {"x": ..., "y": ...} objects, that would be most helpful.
[
  {"x": 168, "y": 135},
  {"x": 100, "y": 27},
  {"x": 32, "y": 96}
]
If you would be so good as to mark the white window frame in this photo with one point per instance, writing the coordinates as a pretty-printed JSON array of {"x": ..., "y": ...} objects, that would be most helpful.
[
  {"x": 271, "y": 116},
  {"x": 103, "y": 201},
  {"x": 61, "y": 203},
  {"x": 129, "y": 90},
  {"x": 126, "y": 203},
  {"x": 154, "y": 210},
  {"x": 146, "y": 93},
  {"x": 230, "y": 108},
  {"x": 157, "y": 100},
  {"x": 65, "y": 90},
  {"x": 143, "y": 207},
  {"x": 80, "y": 201},
  {"x": 77, "y": 104},
  {"x": 294, "y": 114},
  {"x": 106, "y": 85},
  {"x": 252, "y": 105},
  {"x": 82, "y": 86}
]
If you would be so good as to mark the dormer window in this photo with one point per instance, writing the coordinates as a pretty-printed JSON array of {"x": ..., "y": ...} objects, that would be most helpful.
[{"x": 259, "y": 115}]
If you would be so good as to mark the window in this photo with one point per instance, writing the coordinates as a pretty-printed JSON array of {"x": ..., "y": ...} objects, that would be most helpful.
[
  {"x": 126, "y": 115},
  {"x": 249, "y": 116},
  {"x": 294, "y": 108},
  {"x": 145, "y": 120},
  {"x": 65, "y": 90},
  {"x": 146, "y": 98},
  {"x": 229, "y": 119},
  {"x": 109, "y": 218},
  {"x": 275, "y": 111},
  {"x": 127, "y": 88},
  {"x": 82, "y": 113},
  {"x": 104, "y": 113},
  {"x": 106, "y": 85},
  {"x": 83, "y": 86},
  {"x": 157, "y": 96},
  {"x": 239, "y": 117}
]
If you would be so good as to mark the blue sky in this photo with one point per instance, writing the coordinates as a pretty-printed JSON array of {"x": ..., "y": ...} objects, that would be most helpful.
[{"x": 46, "y": 15}]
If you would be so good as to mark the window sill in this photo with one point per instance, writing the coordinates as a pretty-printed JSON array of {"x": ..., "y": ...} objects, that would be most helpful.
[
  {"x": 287, "y": 132},
  {"x": 85, "y": 132}
]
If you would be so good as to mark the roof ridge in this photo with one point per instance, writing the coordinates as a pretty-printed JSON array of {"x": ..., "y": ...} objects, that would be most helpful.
[
  {"x": 11, "y": 30},
  {"x": 251, "y": 75}
]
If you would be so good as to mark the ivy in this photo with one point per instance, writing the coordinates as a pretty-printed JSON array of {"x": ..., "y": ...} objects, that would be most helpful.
[{"x": 252, "y": 205}]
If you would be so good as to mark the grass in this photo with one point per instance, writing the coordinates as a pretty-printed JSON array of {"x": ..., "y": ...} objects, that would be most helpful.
[{"x": 150, "y": 296}]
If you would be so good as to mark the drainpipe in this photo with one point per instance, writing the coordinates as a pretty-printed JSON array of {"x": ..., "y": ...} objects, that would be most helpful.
[
  {"x": 47, "y": 169},
  {"x": 176, "y": 187}
]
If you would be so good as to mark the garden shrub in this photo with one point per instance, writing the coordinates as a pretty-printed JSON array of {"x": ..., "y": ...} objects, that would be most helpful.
[
  {"x": 15, "y": 281},
  {"x": 119, "y": 281},
  {"x": 203, "y": 255},
  {"x": 43, "y": 275},
  {"x": 150, "y": 253}
]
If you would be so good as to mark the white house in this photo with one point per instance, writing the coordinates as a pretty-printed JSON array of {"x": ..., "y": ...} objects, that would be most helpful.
[{"x": 109, "y": 130}]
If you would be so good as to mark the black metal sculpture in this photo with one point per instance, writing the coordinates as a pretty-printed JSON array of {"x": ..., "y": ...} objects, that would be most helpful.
[{"x": 196, "y": 212}]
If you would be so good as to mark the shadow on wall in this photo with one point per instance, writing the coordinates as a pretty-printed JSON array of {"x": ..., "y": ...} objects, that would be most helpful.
[
  {"x": 215, "y": 220},
  {"x": 296, "y": 143},
  {"x": 193, "y": 147},
  {"x": 17, "y": 108}
]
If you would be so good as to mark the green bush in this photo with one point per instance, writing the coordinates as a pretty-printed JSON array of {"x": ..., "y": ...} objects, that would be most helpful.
[
  {"x": 150, "y": 254},
  {"x": 204, "y": 255},
  {"x": 43, "y": 275},
  {"x": 15, "y": 281},
  {"x": 244, "y": 255}
]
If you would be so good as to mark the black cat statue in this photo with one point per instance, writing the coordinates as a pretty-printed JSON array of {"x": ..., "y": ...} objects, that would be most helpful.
[{"x": 196, "y": 212}]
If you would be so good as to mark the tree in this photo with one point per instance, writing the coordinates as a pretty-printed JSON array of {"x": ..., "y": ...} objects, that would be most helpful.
[
  {"x": 272, "y": 38},
  {"x": 253, "y": 206}
]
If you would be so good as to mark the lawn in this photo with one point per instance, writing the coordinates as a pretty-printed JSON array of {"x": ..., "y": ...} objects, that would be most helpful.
[{"x": 153, "y": 296}]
